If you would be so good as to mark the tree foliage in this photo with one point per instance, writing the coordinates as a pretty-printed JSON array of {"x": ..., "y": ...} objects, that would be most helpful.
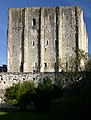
[
  {"x": 74, "y": 70},
  {"x": 25, "y": 93}
]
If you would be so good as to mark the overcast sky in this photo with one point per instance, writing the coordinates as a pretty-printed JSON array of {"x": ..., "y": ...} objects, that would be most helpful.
[{"x": 5, "y": 4}]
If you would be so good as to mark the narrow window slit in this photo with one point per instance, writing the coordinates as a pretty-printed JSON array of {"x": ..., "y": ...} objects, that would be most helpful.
[
  {"x": 33, "y": 43},
  {"x": 34, "y": 22},
  {"x": 47, "y": 42},
  {"x": 45, "y": 65}
]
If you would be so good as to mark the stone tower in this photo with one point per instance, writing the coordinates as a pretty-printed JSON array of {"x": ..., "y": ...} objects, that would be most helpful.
[{"x": 39, "y": 37}]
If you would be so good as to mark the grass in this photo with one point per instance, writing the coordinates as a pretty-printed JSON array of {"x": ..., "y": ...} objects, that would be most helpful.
[{"x": 17, "y": 115}]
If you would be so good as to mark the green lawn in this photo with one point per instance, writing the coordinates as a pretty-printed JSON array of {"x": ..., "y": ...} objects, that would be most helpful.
[{"x": 24, "y": 116}]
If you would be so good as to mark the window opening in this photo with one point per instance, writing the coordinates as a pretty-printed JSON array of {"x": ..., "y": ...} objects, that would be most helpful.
[
  {"x": 33, "y": 71},
  {"x": 34, "y": 22},
  {"x": 33, "y": 43},
  {"x": 47, "y": 42},
  {"x": 45, "y": 64},
  {"x": 33, "y": 78},
  {"x": 13, "y": 47},
  {"x": 4, "y": 82}
]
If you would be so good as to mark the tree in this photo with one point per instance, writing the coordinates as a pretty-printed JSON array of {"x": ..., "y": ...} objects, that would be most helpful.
[{"x": 74, "y": 71}]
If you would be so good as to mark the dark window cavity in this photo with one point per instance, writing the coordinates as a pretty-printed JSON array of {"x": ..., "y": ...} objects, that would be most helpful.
[
  {"x": 33, "y": 71},
  {"x": 45, "y": 65},
  {"x": 33, "y": 43},
  {"x": 47, "y": 42},
  {"x": 4, "y": 82},
  {"x": 34, "y": 22},
  {"x": 33, "y": 78}
]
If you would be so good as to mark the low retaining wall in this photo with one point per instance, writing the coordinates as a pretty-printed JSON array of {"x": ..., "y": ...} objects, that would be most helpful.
[{"x": 9, "y": 79}]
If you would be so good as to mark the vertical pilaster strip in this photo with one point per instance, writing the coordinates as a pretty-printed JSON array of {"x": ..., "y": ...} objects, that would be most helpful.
[
  {"x": 42, "y": 41},
  {"x": 25, "y": 40},
  {"x": 60, "y": 34},
  {"x": 9, "y": 41}
]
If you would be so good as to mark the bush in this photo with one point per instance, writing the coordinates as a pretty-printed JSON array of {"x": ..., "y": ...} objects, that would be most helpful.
[
  {"x": 72, "y": 107},
  {"x": 13, "y": 94},
  {"x": 45, "y": 92},
  {"x": 56, "y": 92},
  {"x": 20, "y": 94},
  {"x": 23, "y": 94}
]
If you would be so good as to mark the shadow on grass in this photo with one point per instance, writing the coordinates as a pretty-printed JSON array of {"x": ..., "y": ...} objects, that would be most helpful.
[{"x": 18, "y": 115}]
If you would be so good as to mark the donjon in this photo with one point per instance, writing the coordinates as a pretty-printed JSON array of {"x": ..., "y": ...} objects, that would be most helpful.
[{"x": 38, "y": 37}]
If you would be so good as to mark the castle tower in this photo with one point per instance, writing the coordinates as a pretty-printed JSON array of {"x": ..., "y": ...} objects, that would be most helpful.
[{"x": 38, "y": 38}]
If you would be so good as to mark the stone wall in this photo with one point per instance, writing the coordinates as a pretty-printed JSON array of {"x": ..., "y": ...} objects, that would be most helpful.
[
  {"x": 15, "y": 39},
  {"x": 68, "y": 30},
  {"x": 9, "y": 79},
  {"x": 31, "y": 46},
  {"x": 40, "y": 37},
  {"x": 48, "y": 47}
]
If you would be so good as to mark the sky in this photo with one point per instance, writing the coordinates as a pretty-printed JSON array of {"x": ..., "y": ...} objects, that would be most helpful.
[{"x": 5, "y": 4}]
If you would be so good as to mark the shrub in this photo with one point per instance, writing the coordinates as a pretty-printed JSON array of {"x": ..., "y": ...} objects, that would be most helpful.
[
  {"x": 43, "y": 94},
  {"x": 72, "y": 107},
  {"x": 13, "y": 94},
  {"x": 23, "y": 94},
  {"x": 20, "y": 94}
]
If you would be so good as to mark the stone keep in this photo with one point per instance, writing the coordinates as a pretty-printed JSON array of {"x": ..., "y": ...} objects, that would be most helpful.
[{"x": 38, "y": 37}]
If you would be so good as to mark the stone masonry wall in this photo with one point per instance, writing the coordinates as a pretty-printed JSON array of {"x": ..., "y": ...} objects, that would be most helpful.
[
  {"x": 68, "y": 30},
  {"x": 15, "y": 43},
  {"x": 9, "y": 79},
  {"x": 48, "y": 49},
  {"x": 32, "y": 48},
  {"x": 40, "y": 37}
]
